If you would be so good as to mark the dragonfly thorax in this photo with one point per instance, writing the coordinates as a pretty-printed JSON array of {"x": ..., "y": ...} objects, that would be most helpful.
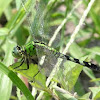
[
  {"x": 17, "y": 52},
  {"x": 30, "y": 49}
]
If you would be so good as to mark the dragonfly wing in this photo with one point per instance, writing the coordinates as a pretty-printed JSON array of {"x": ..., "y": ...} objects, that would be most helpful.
[
  {"x": 49, "y": 61},
  {"x": 46, "y": 61},
  {"x": 39, "y": 25},
  {"x": 41, "y": 29}
]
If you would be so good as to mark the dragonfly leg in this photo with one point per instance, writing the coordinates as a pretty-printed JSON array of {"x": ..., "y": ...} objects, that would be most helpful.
[
  {"x": 33, "y": 61},
  {"x": 36, "y": 74},
  {"x": 22, "y": 61},
  {"x": 27, "y": 62}
]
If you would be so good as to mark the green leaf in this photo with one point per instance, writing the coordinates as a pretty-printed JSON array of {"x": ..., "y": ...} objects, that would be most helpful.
[
  {"x": 18, "y": 18},
  {"x": 95, "y": 80},
  {"x": 5, "y": 83},
  {"x": 72, "y": 73},
  {"x": 17, "y": 81},
  {"x": 95, "y": 92},
  {"x": 85, "y": 97},
  {"x": 37, "y": 81},
  {"x": 89, "y": 73},
  {"x": 3, "y": 5},
  {"x": 75, "y": 74},
  {"x": 75, "y": 51},
  {"x": 79, "y": 88},
  {"x": 5, "y": 86},
  {"x": 95, "y": 50},
  {"x": 3, "y": 31}
]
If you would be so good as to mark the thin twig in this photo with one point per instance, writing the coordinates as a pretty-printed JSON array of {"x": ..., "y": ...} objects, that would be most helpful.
[{"x": 64, "y": 91}]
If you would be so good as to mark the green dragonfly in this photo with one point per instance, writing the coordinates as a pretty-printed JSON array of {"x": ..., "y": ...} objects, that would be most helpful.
[
  {"x": 29, "y": 51},
  {"x": 48, "y": 55}
]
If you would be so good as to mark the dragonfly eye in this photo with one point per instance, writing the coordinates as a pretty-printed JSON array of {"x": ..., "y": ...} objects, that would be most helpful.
[
  {"x": 17, "y": 52},
  {"x": 18, "y": 47}
]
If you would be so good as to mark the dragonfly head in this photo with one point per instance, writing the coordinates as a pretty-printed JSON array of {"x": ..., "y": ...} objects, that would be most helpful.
[{"x": 17, "y": 52}]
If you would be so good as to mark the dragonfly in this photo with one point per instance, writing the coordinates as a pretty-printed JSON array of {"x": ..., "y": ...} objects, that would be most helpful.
[
  {"x": 29, "y": 51},
  {"x": 40, "y": 50}
]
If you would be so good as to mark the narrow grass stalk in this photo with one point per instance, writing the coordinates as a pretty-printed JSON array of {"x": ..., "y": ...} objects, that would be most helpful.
[
  {"x": 64, "y": 91},
  {"x": 78, "y": 26},
  {"x": 15, "y": 79},
  {"x": 62, "y": 24}
]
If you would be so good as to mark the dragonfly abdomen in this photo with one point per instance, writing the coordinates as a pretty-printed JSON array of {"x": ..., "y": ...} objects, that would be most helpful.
[
  {"x": 84, "y": 63},
  {"x": 75, "y": 60}
]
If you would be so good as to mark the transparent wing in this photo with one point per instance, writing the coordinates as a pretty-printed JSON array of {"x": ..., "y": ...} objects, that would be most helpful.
[
  {"x": 49, "y": 63},
  {"x": 39, "y": 26},
  {"x": 38, "y": 19}
]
